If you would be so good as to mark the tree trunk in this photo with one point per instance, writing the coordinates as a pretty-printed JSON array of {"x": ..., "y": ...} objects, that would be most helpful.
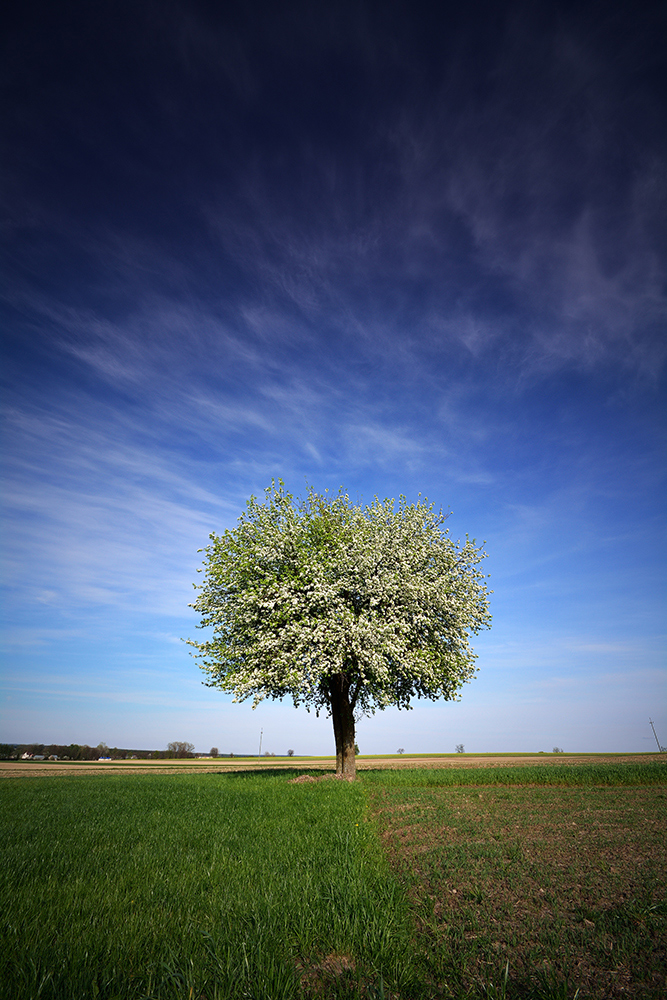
[{"x": 343, "y": 723}]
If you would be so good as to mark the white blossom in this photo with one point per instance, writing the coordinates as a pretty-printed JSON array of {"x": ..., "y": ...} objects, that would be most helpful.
[{"x": 302, "y": 591}]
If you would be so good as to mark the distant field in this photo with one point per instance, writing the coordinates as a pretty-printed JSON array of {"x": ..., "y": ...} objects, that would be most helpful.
[
  {"x": 526, "y": 881},
  {"x": 364, "y": 762}
]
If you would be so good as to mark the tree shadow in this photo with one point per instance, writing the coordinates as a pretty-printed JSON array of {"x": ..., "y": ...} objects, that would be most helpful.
[{"x": 279, "y": 772}]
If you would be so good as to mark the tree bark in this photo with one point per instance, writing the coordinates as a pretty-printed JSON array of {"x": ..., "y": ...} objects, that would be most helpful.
[{"x": 342, "y": 714}]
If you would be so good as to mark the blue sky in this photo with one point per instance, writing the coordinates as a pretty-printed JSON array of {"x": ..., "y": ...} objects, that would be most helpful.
[{"x": 364, "y": 246}]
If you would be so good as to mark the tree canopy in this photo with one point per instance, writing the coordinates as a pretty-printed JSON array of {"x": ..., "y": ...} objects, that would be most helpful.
[
  {"x": 180, "y": 748},
  {"x": 341, "y": 607}
]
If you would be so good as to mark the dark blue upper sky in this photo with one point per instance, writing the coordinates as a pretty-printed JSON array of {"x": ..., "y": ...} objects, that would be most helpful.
[{"x": 393, "y": 246}]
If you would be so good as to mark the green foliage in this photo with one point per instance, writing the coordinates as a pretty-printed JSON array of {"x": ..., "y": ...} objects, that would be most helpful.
[{"x": 305, "y": 590}]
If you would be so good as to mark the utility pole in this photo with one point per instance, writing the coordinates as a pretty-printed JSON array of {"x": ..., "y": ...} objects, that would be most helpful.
[
  {"x": 261, "y": 733},
  {"x": 656, "y": 738}
]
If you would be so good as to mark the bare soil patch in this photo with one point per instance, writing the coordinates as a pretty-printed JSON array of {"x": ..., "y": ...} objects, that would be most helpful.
[{"x": 320, "y": 979}]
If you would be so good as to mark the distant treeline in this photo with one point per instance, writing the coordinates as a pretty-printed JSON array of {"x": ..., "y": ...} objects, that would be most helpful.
[
  {"x": 76, "y": 752},
  {"x": 15, "y": 751}
]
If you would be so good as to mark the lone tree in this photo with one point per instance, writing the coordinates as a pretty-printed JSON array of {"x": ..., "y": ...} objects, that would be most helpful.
[
  {"x": 342, "y": 608},
  {"x": 179, "y": 748}
]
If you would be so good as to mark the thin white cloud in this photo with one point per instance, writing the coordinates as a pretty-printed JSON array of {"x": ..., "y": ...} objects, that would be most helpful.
[{"x": 27, "y": 637}]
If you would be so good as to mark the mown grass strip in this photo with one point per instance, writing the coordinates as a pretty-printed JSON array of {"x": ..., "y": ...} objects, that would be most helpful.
[{"x": 562, "y": 887}]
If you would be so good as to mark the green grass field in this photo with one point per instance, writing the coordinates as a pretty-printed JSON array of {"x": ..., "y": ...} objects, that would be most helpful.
[{"x": 516, "y": 882}]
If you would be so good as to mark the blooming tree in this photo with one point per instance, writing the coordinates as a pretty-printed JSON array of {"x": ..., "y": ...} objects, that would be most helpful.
[{"x": 342, "y": 608}]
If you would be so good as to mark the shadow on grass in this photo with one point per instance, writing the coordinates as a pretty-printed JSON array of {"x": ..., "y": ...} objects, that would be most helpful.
[{"x": 288, "y": 773}]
